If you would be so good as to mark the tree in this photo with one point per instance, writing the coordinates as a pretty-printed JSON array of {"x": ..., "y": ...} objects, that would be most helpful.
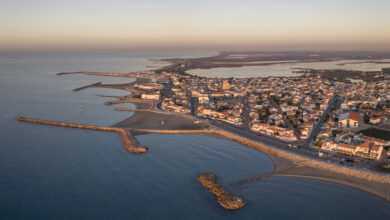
[
  {"x": 319, "y": 142},
  {"x": 379, "y": 106},
  {"x": 366, "y": 118}
]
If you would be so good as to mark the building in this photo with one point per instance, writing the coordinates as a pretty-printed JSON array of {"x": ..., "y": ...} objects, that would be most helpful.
[
  {"x": 225, "y": 85},
  {"x": 349, "y": 120},
  {"x": 150, "y": 96},
  {"x": 365, "y": 150}
]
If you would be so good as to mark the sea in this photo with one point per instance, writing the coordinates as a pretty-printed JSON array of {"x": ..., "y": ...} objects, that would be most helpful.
[{"x": 61, "y": 173}]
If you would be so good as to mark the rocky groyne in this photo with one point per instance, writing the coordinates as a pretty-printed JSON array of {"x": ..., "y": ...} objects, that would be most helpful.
[
  {"x": 129, "y": 100},
  {"x": 225, "y": 199},
  {"x": 142, "y": 110},
  {"x": 251, "y": 180},
  {"x": 87, "y": 86},
  {"x": 128, "y": 140}
]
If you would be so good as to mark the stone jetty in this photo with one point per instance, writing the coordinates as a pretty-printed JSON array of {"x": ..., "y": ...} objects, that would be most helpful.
[
  {"x": 225, "y": 199},
  {"x": 251, "y": 180},
  {"x": 129, "y": 100},
  {"x": 143, "y": 110},
  {"x": 127, "y": 138},
  {"x": 87, "y": 86}
]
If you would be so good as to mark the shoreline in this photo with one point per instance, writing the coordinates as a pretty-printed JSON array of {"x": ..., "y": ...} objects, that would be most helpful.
[
  {"x": 336, "y": 181},
  {"x": 285, "y": 163},
  {"x": 293, "y": 165}
]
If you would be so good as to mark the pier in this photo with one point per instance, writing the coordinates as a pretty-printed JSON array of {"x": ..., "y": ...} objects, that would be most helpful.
[
  {"x": 225, "y": 199},
  {"x": 127, "y": 138}
]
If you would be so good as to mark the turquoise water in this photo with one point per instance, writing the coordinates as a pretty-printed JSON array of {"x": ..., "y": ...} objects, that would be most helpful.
[{"x": 61, "y": 173}]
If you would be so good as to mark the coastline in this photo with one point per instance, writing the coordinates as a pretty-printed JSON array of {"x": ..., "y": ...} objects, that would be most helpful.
[
  {"x": 288, "y": 164},
  {"x": 338, "y": 181}
]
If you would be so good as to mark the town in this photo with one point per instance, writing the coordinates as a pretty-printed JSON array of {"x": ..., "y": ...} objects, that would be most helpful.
[{"x": 339, "y": 119}]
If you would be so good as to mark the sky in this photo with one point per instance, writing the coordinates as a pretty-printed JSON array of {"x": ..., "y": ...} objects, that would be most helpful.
[{"x": 194, "y": 25}]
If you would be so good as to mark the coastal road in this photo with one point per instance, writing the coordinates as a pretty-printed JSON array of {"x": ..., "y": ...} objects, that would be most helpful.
[{"x": 264, "y": 139}]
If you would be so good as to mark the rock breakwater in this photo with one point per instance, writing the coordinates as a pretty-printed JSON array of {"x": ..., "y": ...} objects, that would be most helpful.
[
  {"x": 128, "y": 140},
  {"x": 225, "y": 199}
]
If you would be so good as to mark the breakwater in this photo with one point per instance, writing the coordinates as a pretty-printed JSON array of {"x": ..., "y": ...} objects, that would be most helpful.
[
  {"x": 89, "y": 73},
  {"x": 142, "y": 110},
  {"x": 115, "y": 74},
  {"x": 128, "y": 140},
  {"x": 87, "y": 86},
  {"x": 251, "y": 180},
  {"x": 163, "y": 131},
  {"x": 129, "y": 100},
  {"x": 225, "y": 199}
]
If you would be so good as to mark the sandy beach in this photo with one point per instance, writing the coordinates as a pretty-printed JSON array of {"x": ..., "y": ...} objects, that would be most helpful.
[{"x": 152, "y": 120}]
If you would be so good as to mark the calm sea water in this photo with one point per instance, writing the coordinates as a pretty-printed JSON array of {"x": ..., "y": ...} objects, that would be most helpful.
[{"x": 61, "y": 173}]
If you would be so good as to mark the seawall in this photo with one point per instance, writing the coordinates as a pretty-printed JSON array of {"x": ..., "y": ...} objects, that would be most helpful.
[{"x": 128, "y": 140}]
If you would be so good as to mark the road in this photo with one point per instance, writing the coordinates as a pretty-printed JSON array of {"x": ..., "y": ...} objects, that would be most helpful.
[
  {"x": 264, "y": 139},
  {"x": 285, "y": 119},
  {"x": 246, "y": 114},
  {"x": 317, "y": 127}
]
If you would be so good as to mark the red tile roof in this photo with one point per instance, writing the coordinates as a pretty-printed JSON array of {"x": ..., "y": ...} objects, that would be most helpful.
[
  {"x": 347, "y": 146},
  {"x": 354, "y": 116}
]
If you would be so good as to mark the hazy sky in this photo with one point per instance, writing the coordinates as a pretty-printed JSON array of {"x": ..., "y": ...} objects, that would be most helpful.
[{"x": 196, "y": 24}]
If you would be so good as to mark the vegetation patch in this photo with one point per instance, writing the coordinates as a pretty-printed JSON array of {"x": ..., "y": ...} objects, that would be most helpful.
[{"x": 384, "y": 167}]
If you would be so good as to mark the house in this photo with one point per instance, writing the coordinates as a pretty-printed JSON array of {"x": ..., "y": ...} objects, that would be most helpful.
[
  {"x": 365, "y": 150},
  {"x": 349, "y": 120},
  {"x": 375, "y": 120},
  {"x": 150, "y": 96},
  {"x": 329, "y": 145}
]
